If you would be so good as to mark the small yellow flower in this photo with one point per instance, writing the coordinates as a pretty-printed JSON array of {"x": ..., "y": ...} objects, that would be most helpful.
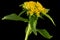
[
  {"x": 34, "y": 8},
  {"x": 39, "y": 6}
]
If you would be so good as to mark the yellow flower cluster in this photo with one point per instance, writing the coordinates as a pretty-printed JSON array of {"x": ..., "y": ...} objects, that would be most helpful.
[{"x": 34, "y": 8}]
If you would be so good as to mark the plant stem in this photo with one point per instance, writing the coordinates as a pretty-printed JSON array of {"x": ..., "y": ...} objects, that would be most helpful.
[{"x": 28, "y": 32}]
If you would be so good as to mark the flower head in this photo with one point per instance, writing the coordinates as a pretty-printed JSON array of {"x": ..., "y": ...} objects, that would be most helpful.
[{"x": 34, "y": 8}]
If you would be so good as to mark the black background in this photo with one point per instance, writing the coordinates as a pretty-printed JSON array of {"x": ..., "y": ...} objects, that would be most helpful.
[{"x": 15, "y": 30}]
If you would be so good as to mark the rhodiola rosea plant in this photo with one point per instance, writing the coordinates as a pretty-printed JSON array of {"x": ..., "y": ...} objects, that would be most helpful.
[{"x": 34, "y": 11}]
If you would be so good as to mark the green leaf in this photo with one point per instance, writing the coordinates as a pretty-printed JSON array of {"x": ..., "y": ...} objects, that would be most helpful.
[
  {"x": 33, "y": 22},
  {"x": 45, "y": 11},
  {"x": 41, "y": 17},
  {"x": 14, "y": 17},
  {"x": 48, "y": 16},
  {"x": 34, "y": 27},
  {"x": 20, "y": 5},
  {"x": 44, "y": 33},
  {"x": 22, "y": 12}
]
